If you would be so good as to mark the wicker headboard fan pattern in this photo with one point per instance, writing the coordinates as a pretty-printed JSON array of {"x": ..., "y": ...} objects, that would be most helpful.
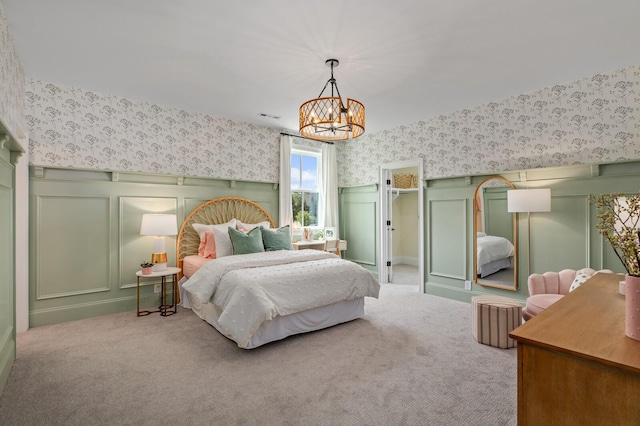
[{"x": 219, "y": 210}]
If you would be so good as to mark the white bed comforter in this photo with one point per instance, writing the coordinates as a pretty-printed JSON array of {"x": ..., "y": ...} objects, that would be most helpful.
[
  {"x": 492, "y": 248},
  {"x": 252, "y": 288}
]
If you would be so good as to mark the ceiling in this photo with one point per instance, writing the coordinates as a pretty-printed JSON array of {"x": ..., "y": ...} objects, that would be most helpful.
[{"x": 405, "y": 60}]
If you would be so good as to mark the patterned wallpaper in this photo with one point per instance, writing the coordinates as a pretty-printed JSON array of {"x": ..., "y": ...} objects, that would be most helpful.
[
  {"x": 592, "y": 120},
  {"x": 12, "y": 84},
  {"x": 75, "y": 128}
]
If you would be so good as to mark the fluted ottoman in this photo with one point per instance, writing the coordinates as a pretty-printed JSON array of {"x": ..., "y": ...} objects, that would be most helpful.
[{"x": 493, "y": 318}]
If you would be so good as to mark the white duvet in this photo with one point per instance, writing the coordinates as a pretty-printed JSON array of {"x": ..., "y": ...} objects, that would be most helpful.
[
  {"x": 252, "y": 288},
  {"x": 491, "y": 248}
]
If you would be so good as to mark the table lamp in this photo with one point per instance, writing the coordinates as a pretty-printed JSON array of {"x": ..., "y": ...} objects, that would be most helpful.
[{"x": 159, "y": 225}]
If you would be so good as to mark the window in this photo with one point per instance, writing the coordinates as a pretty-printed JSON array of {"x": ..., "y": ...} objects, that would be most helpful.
[{"x": 305, "y": 190}]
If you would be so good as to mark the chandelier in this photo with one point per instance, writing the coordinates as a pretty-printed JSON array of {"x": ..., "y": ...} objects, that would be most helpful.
[{"x": 327, "y": 119}]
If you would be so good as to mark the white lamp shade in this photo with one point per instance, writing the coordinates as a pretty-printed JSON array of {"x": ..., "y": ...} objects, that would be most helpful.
[
  {"x": 159, "y": 224},
  {"x": 529, "y": 200}
]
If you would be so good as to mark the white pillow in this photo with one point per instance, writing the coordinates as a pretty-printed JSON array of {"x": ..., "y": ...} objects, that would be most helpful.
[
  {"x": 220, "y": 234},
  {"x": 223, "y": 242},
  {"x": 201, "y": 229},
  {"x": 481, "y": 234},
  {"x": 581, "y": 277},
  {"x": 246, "y": 227}
]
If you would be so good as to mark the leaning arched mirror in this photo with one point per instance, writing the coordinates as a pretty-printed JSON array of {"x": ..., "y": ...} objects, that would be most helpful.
[{"x": 495, "y": 235}]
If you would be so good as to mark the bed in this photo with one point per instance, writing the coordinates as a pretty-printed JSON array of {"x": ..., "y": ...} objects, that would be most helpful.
[
  {"x": 257, "y": 298},
  {"x": 494, "y": 254}
]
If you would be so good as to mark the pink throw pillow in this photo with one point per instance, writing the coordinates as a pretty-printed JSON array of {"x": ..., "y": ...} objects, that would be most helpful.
[{"x": 207, "y": 248}]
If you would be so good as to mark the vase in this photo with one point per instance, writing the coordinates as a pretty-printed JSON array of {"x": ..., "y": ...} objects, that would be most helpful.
[
  {"x": 632, "y": 304},
  {"x": 147, "y": 271}
]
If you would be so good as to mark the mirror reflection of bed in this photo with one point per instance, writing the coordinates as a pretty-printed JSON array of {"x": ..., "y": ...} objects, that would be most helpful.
[{"x": 495, "y": 260}]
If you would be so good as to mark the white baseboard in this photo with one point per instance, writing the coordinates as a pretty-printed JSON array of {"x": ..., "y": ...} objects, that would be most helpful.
[{"x": 413, "y": 261}]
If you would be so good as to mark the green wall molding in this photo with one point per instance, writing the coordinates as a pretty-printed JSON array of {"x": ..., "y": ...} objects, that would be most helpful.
[
  {"x": 447, "y": 230},
  {"x": 359, "y": 189},
  {"x": 361, "y": 216},
  {"x": 358, "y": 210},
  {"x": 10, "y": 151},
  {"x": 73, "y": 312},
  {"x": 462, "y": 295},
  {"x": 87, "y": 262},
  {"x": 566, "y": 237},
  {"x": 78, "y": 175},
  {"x": 79, "y": 218}
]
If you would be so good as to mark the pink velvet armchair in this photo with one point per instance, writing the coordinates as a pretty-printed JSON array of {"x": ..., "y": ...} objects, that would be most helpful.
[{"x": 546, "y": 289}]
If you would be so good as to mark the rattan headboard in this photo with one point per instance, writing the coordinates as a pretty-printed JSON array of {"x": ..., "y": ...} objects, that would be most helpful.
[{"x": 219, "y": 210}]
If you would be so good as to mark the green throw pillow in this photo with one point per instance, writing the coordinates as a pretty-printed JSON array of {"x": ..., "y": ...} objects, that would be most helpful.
[
  {"x": 277, "y": 239},
  {"x": 250, "y": 242}
]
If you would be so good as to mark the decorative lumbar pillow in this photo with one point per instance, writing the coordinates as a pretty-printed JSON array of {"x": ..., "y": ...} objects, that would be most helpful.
[
  {"x": 246, "y": 227},
  {"x": 201, "y": 228},
  {"x": 245, "y": 243},
  {"x": 580, "y": 278},
  {"x": 277, "y": 239}
]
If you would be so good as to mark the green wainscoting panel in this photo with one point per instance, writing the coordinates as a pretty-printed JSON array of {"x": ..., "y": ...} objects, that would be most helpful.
[
  {"x": 10, "y": 151},
  {"x": 448, "y": 233},
  {"x": 360, "y": 231},
  {"x": 73, "y": 246},
  {"x": 559, "y": 238},
  {"x": 190, "y": 204},
  {"x": 566, "y": 237},
  {"x": 358, "y": 212},
  {"x": 85, "y": 242},
  {"x": 6, "y": 174},
  {"x": 135, "y": 248},
  {"x": 7, "y": 289}
]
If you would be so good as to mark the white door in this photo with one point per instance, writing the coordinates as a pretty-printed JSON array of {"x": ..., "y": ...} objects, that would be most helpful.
[
  {"x": 389, "y": 226},
  {"x": 385, "y": 271}
]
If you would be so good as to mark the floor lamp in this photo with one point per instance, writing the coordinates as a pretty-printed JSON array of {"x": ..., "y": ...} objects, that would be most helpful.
[{"x": 529, "y": 201}]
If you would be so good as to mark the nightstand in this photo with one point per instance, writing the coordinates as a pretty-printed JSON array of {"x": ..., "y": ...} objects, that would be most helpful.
[{"x": 164, "y": 308}]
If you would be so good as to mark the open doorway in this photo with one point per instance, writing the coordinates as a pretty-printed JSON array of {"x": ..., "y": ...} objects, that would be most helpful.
[{"x": 401, "y": 225}]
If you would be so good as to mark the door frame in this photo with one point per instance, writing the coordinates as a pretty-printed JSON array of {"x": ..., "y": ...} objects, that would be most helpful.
[{"x": 382, "y": 217}]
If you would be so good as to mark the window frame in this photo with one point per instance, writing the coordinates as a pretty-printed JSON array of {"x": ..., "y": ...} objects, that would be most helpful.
[{"x": 306, "y": 151}]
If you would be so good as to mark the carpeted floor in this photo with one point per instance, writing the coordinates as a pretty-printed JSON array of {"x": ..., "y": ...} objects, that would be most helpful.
[
  {"x": 410, "y": 361},
  {"x": 406, "y": 275}
]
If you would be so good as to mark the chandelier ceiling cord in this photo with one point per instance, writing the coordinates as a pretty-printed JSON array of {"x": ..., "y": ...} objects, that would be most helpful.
[{"x": 327, "y": 119}]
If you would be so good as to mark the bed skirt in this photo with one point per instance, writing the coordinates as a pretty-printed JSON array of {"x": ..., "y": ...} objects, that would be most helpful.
[{"x": 282, "y": 326}]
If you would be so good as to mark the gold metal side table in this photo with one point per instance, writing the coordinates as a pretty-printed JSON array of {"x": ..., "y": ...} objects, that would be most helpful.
[{"x": 164, "y": 308}]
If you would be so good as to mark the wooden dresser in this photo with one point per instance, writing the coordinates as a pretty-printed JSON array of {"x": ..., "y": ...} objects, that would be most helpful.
[{"x": 575, "y": 364}]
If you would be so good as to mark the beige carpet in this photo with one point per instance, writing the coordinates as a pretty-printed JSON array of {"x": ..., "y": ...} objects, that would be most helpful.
[
  {"x": 406, "y": 275},
  {"x": 410, "y": 361}
]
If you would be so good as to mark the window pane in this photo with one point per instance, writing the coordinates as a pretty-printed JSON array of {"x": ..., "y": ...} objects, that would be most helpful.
[
  {"x": 309, "y": 173},
  {"x": 305, "y": 208},
  {"x": 311, "y": 206},
  {"x": 296, "y": 207},
  {"x": 295, "y": 171}
]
